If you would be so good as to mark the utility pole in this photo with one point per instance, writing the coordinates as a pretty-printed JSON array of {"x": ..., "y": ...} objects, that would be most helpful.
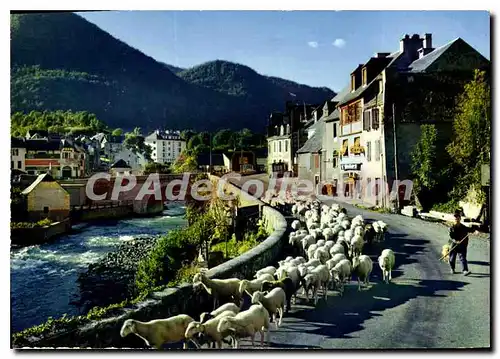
[
  {"x": 395, "y": 154},
  {"x": 210, "y": 145}
]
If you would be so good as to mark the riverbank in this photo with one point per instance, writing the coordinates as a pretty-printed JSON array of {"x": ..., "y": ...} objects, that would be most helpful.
[
  {"x": 44, "y": 277},
  {"x": 112, "y": 279}
]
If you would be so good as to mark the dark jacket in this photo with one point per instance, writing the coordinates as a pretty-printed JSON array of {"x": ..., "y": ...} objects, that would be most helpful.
[{"x": 459, "y": 232}]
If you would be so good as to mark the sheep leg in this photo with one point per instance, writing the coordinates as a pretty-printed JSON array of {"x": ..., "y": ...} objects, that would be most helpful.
[
  {"x": 184, "y": 345},
  {"x": 280, "y": 311},
  {"x": 359, "y": 285},
  {"x": 390, "y": 275},
  {"x": 253, "y": 339},
  {"x": 261, "y": 338},
  {"x": 315, "y": 295}
]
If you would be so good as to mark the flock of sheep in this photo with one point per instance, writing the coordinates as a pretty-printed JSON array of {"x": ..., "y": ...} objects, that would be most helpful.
[{"x": 329, "y": 251}]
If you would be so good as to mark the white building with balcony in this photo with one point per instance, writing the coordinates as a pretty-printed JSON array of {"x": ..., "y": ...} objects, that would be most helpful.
[{"x": 166, "y": 146}]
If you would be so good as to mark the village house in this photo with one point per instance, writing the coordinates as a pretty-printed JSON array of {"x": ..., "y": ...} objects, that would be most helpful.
[
  {"x": 45, "y": 198},
  {"x": 61, "y": 158},
  {"x": 120, "y": 168},
  {"x": 17, "y": 154},
  {"x": 136, "y": 161},
  {"x": 309, "y": 155},
  {"x": 166, "y": 146},
  {"x": 285, "y": 135},
  {"x": 397, "y": 85},
  {"x": 218, "y": 162}
]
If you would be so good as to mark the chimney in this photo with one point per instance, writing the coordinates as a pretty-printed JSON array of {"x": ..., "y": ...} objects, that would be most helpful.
[
  {"x": 403, "y": 42},
  {"x": 428, "y": 41},
  {"x": 410, "y": 46},
  {"x": 427, "y": 46}
]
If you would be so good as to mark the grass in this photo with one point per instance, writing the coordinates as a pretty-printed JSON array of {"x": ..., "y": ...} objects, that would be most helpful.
[{"x": 373, "y": 208}]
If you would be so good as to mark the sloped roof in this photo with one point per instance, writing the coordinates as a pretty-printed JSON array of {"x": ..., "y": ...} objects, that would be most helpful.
[
  {"x": 314, "y": 144},
  {"x": 41, "y": 178},
  {"x": 16, "y": 142},
  {"x": 120, "y": 164},
  {"x": 420, "y": 65},
  {"x": 333, "y": 116}
]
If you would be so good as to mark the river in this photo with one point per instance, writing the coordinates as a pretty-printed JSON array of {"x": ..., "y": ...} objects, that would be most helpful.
[{"x": 44, "y": 277}]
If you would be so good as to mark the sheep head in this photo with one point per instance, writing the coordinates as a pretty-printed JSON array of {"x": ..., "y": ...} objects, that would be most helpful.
[
  {"x": 194, "y": 328},
  {"x": 257, "y": 297},
  {"x": 127, "y": 328},
  {"x": 204, "y": 317},
  {"x": 224, "y": 325}
]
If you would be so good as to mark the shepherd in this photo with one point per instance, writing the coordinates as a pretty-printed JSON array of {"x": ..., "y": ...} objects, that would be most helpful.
[{"x": 458, "y": 242}]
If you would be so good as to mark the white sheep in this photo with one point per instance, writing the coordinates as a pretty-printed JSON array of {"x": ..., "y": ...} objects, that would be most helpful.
[
  {"x": 209, "y": 328},
  {"x": 357, "y": 244},
  {"x": 247, "y": 324},
  {"x": 217, "y": 287},
  {"x": 329, "y": 244},
  {"x": 269, "y": 270},
  {"x": 386, "y": 261},
  {"x": 362, "y": 266},
  {"x": 254, "y": 285},
  {"x": 332, "y": 262},
  {"x": 311, "y": 250},
  {"x": 158, "y": 332},
  {"x": 322, "y": 254},
  {"x": 223, "y": 308},
  {"x": 328, "y": 234},
  {"x": 318, "y": 278},
  {"x": 321, "y": 242},
  {"x": 274, "y": 302},
  {"x": 337, "y": 248},
  {"x": 295, "y": 225},
  {"x": 340, "y": 273}
]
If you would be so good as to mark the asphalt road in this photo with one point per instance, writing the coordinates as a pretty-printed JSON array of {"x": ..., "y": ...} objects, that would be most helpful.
[{"x": 424, "y": 307}]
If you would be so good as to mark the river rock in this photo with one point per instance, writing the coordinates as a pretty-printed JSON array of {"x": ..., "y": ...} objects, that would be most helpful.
[{"x": 111, "y": 279}]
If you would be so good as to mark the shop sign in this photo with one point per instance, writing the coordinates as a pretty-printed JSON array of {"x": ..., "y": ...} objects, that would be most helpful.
[{"x": 351, "y": 166}]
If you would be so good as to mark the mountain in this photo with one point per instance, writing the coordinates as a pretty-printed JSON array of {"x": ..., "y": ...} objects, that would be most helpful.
[
  {"x": 60, "y": 61},
  {"x": 173, "y": 68}
]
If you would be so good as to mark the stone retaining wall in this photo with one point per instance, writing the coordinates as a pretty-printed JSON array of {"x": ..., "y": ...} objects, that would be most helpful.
[
  {"x": 38, "y": 235},
  {"x": 172, "y": 301}
]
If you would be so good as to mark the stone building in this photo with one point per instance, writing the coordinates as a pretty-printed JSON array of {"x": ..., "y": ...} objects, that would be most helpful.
[{"x": 45, "y": 198}]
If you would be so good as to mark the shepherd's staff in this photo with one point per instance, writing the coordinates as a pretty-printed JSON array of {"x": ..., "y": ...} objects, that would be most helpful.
[{"x": 455, "y": 246}]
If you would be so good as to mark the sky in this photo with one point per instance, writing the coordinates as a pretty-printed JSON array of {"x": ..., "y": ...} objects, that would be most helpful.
[{"x": 316, "y": 48}]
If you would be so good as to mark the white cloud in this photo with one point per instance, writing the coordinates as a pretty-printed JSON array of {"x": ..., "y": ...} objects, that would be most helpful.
[
  {"x": 339, "y": 43},
  {"x": 313, "y": 44}
]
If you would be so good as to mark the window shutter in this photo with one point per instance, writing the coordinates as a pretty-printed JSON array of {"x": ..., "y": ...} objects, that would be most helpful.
[
  {"x": 369, "y": 151},
  {"x": 375, "y": 119}
]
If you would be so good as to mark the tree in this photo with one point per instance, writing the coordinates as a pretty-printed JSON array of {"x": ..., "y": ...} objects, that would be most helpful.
[
  {"x": 117, "y": 132},
  {"x": 155, "y": 167},
  {"x": 185, "y": 163},
  {"x": 135, "y": 142},
  {"x": 471, "y": 145},
  {"x": 224, "y": 139}
]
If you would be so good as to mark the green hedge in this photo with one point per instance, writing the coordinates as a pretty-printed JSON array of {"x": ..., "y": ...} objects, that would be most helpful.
[{"x": 40, "y": 223}]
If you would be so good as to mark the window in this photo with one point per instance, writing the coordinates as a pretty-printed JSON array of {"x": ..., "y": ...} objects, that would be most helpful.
[
  {"x": 12, "y": 164},
  {"x": 378, "y": 150},
  {"x": 353, "y": 82},
  {"x": 15, "y": 152},
  {"x": 368, "y": 187},
  {"x": 364, "y": 74},
  {"x": 375, "y": 118},
  {"x": 270, "y": 149},
  {"x": 19, "y": 164},
  {"x": 366, "y": 120},
  {"x": 279, "y": 146},
  {"x": 274, "y": 146},
  {"x": 369, "y": 151},
  {"x": 286, "y": 146},
  {"x": 335, "y": 160},
  {"x": 334, "y": 130},
  {"x": 45, "y": 209},
  {"x": 154, "y": 142},
  {"x": 345, "y": 150}
]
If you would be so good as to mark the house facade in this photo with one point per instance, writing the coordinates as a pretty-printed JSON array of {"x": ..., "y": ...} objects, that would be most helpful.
[
  {"x": 310, "y": 159},
  {"x": 60, "y": 158},
  {"x": 17, "y": 154},
  {"x": 46, "y": 198},
  {"x": 390, "y": 94},
  {"x": 166, "y": 146},
  {"x": 285, "y": 135},
  {"x": 136, "y": 161}
]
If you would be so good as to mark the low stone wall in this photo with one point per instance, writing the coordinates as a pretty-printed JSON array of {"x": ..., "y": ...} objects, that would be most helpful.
[
  {"x": 106, "y": 333},
  {"x": 105, "y": 213},
  {"x": 31, "y": 236}
]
